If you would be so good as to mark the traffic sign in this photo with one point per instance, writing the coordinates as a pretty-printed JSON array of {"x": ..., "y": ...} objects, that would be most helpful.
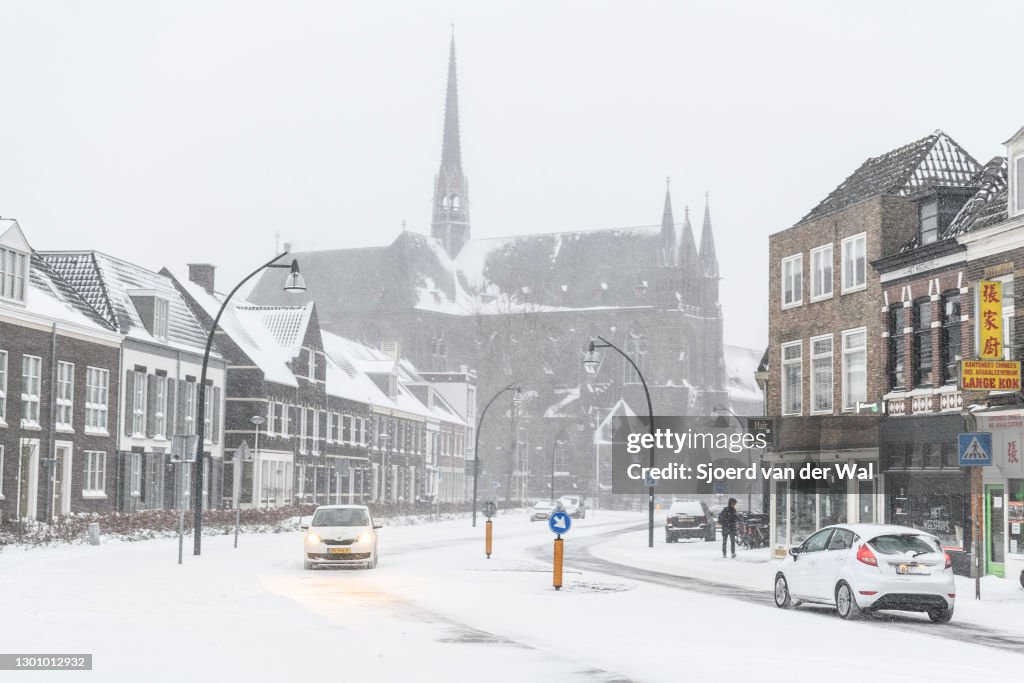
[
  {"x": 559, "y": 522},
  {"x": 490, "y": 509},
  {"x": 975, "y": 448},
  {"x": 719, "y": 487},
  {"x": 649, "y": 480}
]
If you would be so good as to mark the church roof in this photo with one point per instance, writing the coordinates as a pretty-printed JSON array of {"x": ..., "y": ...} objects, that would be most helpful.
[{"x": 934, "y": 160}]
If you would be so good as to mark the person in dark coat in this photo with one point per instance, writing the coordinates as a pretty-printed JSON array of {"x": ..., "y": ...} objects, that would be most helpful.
[{"x": 727, "y": 518}]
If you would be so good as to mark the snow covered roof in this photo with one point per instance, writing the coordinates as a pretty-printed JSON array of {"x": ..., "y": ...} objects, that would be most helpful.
[
  {"x": 934, "y": 160},
  {"x": 50, "y": 296},
  {"x": 267, "y": 335},
  {"x": 107, "y": 283},
  {"x": 740, "y": 366},
  {"x": 988, "y": 205}
]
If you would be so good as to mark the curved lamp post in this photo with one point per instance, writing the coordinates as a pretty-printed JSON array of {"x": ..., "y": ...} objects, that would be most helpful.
[
  {"x": 722, "y": 409},
  {"x": 293, "y": 283},
  {"x": 554, "y": 447},
  {"x": 591, "y": 362},
  {"x": 476, "y": 441}
]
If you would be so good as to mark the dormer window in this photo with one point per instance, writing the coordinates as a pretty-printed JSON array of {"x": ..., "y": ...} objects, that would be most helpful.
[
  {"x": 1018, "y": 183},
  {"x": 13, "y": 272},
  {"x": 929, "y": 221},
  {"x": 153, "y": 310},
  {"x": 160, "y": 315}
]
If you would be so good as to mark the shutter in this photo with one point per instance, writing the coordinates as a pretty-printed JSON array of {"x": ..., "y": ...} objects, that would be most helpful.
[
  {"x": 215, "y": 427},
  {"x": 151, "y": 405},
  {"x": 182, "y": 393},
  {"x": 129, "y": 397}
]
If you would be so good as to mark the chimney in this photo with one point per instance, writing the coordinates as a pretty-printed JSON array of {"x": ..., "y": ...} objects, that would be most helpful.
[{"x": 202, "y": 275}]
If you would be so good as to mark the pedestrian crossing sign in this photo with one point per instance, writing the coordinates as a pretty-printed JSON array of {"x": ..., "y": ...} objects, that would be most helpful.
[{"x": 975, "y": 448}]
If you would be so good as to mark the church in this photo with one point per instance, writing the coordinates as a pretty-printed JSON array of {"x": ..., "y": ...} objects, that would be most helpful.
[{"x": 523, "y": 309}]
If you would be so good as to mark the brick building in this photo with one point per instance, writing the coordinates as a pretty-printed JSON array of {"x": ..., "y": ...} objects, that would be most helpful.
[
  {"x": 59, "y": 370},
  {"x": 828, "y": 345}
]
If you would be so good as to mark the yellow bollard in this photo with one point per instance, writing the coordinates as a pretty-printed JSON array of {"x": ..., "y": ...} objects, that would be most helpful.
[
  {"x": 487, "y": 548},
  {"x": 558, "y": 563}
]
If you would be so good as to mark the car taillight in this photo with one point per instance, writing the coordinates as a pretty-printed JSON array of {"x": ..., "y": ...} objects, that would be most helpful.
[
  {"x": 949, "y": 561},
  {"x": 865, "y": 555}
]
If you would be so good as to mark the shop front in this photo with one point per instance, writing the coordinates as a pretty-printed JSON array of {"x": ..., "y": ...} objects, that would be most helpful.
[
  {"x": 1003, "y": 499},
  {"x": 926, "y": 488},
  {"x": 798, "y": 507}
]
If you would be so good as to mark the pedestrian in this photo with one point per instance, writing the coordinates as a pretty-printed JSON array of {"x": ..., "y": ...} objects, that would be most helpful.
[{"x": 727, "y": 518}]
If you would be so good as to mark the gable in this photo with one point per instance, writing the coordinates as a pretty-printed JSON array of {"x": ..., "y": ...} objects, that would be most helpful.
[{"x": 13, "y": 238}]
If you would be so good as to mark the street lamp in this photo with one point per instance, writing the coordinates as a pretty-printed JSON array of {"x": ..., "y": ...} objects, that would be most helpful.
[
  {"x": 722, "y": 409},
  {"x": 554, "y": 448},
  {"x": 591, "y": 363},
  {"x": 476, "y": 442},
  {"x": 293, "y": 283}
]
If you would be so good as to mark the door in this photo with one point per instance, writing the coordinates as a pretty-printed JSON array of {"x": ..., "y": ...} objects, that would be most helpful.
[
  {"x": 28, "y": 489},
  {"x": 865, "y": 501},
  {"x": 806, "y": 581},
  {"x": 995, "y": 521},
  {"x": 831, "y": 562}
]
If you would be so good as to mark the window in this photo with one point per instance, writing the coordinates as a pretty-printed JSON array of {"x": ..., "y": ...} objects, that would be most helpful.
[
  {"x": 361, "y": 439},
  {"x": 31, "y": 369},
  {"x": 821, "y": 273},
  {"x": 636, "y": 349},
  {"x": 1, "y": 472},
  {"x": 65, "y": 394},
  {"x": 135, "y": 478},
  {"x": 160, "y": 409},
  {"x": 855, "y": 376},
  {"x": 209, "y": 399},
  {"x": 854, "y": 263},
  {"x": 13, "y": 270},
  {"x": 314, "y": 415},
  {"x": 922, "y": 342},
  {"x": 95, "y": 473},
  {"x": 817, "y": 542},
  {"x": 929, "y": 219},
  {"x": 284, "y": 419},
  {"x": 950, "y": 312},
  {"x": 3, "y": 388},
  {"x": 139, "y": 404},
  {"x": 897, "y": 351},
  {"x": 1008, "y": 352},
  {"x": 329, "y": 426},
  {"x": 312, "y": 364},
  {"x": 303, "y": 427},
  {"x": 271, "y": 418},
  {"x": 792, "y": 378},
  {"x": 1019, "y": 184},
  {"x": 792, "y": 280},
  {"x": 97, "y": 383},
  {"x": 160, "y": 316},
  {"x": 821, "y": 374},
  {"x": 190, "y": 407}
]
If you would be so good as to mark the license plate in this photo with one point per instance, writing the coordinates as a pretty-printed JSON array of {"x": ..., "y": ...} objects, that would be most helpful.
[
  {"x": 910, "y": 569},
  {"x": 339, "y": 551}
]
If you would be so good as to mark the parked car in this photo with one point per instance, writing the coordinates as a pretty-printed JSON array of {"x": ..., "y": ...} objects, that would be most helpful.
[
  {"x": 574, "y": 505},
  {"x": 545, "y": 509},
  {"x": 866, "y": 567},
  {"x": 689, "y": 519},
  {"x": 340, "y": 535}
]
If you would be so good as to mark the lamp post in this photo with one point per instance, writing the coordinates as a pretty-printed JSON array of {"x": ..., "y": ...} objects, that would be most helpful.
[
  {"x": 722, "y": 409},
  {"x": 293, "y": 283},
  {"x": 554, "y": 448},
  {"x": 591, "y": 362},
  {"x": 476, "y": 441}
]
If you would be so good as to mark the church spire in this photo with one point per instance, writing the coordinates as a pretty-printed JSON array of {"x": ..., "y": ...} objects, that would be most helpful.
[
  {"x": 707, "y": 243},
  {"x": 450, "y": 223},
  {"x": 668, "y": 230}
]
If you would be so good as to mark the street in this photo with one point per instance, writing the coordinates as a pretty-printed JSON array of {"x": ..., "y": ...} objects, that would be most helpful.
[{"x": 436, "y": 609}]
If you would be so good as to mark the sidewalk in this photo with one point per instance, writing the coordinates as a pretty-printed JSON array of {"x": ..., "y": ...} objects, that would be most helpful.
[{"x": 1001, "y": 606}]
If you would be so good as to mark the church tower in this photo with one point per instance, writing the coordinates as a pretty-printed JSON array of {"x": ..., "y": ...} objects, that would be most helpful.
[{"x": 450, "y": 223}]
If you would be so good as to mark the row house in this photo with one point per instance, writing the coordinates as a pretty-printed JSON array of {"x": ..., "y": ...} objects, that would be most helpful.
[
  {"x": 161, "y": 361},
  {"x": 60, "y": 363},
  {"x": 829, "y": 348}
]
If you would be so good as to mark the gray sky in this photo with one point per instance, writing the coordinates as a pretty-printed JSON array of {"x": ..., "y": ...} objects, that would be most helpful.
[{"x": 173, "y": 132}]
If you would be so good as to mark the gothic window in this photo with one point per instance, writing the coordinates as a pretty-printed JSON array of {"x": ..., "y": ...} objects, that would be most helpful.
[
  {"x": 636, "y": 349},
  {"x": 455, "y": 202},
  {"x": 439, "y": 353}
]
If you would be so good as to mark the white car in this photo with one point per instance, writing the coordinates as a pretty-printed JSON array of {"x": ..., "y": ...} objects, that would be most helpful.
[
  {"x": 574, "y": 505},
  {"x": 340, "y": 535},
  {"x": 861, "y": 567}
]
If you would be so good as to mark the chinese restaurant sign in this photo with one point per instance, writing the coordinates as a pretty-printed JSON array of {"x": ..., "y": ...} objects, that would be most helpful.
[
  {"x": 990, "y": 375},
  {"x": 990, "y": 319}
]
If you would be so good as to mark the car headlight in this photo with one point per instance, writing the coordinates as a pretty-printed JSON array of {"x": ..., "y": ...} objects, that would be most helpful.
[
  {"x": 312, "y": 537},
  {"x": 364, "y": 537}
]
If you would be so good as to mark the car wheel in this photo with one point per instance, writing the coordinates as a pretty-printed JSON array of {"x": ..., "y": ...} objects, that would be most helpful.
[
  {"x": 846, "y": 604},
  {"x": 783, "y": 600},
  {"x": 941, "y": 616}
]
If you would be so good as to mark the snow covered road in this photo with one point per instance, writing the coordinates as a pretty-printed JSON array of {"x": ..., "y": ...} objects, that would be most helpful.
[{"x": 436, "y": 610}]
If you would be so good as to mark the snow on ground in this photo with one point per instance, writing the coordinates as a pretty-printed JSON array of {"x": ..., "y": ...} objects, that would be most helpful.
[
  {"x": 1001, "y": 605},
  {"x": 435, "y": 610}
]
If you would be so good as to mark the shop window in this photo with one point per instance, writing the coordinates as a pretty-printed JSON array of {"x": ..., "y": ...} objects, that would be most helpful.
[
  {"x": 1015, "y": 516},
  {"x": 930, "y": 502}
]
